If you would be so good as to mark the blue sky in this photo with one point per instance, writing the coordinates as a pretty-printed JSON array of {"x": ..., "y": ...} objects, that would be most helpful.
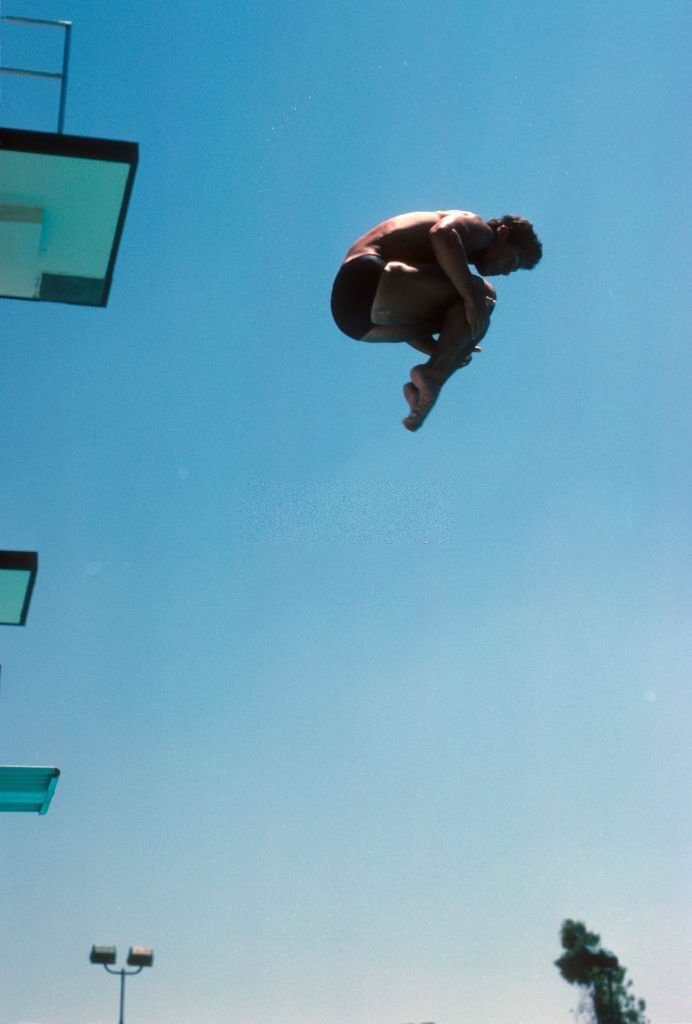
[{"x": 349, "y": 720}]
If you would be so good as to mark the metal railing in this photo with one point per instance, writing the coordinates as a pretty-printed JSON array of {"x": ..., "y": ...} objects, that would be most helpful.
[{"x": 60, "y": 76}]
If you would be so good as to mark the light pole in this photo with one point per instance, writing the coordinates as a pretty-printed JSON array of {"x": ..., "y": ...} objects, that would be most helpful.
[{"x": 138, "y": 957}]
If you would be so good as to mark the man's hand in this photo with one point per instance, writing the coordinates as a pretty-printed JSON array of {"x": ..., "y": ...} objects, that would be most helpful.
[
  {"x": 478, "y": 316},
  {"x": 483, "y": 305}
]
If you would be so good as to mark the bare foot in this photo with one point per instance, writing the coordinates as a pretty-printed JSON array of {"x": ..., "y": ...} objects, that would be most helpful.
[
  {"x": 413, "y": 420},
  {"x": 421, "y": 394},
  {"x": 411, "y": 395}
]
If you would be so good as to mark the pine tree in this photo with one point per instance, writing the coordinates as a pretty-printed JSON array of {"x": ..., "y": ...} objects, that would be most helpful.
[{"x": 598, "y": 971}]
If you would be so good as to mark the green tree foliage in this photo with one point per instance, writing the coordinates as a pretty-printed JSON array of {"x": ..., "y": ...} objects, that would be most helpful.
[{"x": 598, "y": 971}]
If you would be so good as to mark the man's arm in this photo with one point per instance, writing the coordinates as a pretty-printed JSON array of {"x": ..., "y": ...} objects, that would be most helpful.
[{"x": 450, "y": 237}]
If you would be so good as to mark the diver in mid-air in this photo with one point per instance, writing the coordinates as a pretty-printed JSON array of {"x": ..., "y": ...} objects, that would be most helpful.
[{"x": 408, "y": 279}]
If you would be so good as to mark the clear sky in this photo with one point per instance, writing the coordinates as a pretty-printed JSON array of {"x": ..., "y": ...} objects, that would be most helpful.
[{"x": 349, "y": 720}]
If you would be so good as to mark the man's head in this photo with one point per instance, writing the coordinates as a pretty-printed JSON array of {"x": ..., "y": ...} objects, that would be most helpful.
[{"x": 515, "y": 246}]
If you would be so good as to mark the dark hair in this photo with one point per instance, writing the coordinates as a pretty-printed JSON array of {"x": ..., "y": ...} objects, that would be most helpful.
[{"x": 522, "y": 236}]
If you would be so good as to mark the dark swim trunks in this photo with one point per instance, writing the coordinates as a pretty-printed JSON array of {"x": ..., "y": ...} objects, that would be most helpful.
[{"x": 353, "y": 293}]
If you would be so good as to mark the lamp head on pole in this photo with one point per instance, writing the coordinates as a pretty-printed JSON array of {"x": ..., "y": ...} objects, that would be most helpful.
[
  {"x": 103, "y": 954},
  {"x": 140, "y": 956}
]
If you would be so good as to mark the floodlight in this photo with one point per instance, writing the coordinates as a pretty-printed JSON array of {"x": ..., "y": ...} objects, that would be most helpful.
[
  {"x": 17, "y": 576},
  {"x": 63, "y": 202},
  {"x": 27, "y": 788},
  {"x": 140, "y": 956},
  {"x": 103, "y": 954}
]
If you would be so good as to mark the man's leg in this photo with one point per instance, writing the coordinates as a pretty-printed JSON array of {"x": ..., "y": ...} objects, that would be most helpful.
[
  {"x": 410, "y": 304},
  {"x": 450, "y": 353},
  {"x": 409, "y": 294},
  {"x": 418, "y": 336}
]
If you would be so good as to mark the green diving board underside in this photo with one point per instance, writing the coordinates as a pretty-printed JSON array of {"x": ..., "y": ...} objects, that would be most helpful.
[
  {"x": 27, "y": 788},
  {"x": 17, "y": 577},
  {"x": 63, "y": 203}
]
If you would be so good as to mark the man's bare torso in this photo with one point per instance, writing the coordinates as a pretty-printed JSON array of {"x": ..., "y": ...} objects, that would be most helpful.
[{"x": 407, "y": 237}]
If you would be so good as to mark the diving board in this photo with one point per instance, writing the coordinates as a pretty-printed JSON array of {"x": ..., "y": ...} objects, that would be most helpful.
[
  {"x": 63, "y": 203},
  {"x": 27, "y": 787},
  {"x": 17, "y": 577}
]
